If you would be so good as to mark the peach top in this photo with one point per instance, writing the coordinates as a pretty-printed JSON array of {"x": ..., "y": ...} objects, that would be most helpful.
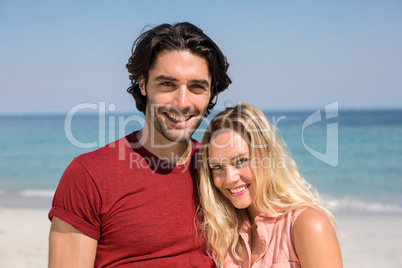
[{"x": 276, "y": 235}]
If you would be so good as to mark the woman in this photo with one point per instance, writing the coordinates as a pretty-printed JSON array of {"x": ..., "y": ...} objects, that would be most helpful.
[{"x": 257, "y": 210}]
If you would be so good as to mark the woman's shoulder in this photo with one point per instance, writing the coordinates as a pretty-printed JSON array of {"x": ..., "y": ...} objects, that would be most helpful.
[
  {"x": 311, "y": 220},
  {"x": 315, "y": 240}
]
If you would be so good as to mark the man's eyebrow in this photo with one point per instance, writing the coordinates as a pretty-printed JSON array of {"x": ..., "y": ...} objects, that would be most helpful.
[
  {"x": 165, "y": 77},
  {"x": 200, "y": 81},
  {"x": 170, "y": 78}
]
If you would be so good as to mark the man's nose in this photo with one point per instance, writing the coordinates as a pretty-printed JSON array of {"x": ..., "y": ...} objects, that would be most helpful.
[{"x": 182, "y": 98}]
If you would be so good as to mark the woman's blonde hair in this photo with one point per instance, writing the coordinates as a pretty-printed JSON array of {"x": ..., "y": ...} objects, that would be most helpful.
[{"x": 280, "y": 187}]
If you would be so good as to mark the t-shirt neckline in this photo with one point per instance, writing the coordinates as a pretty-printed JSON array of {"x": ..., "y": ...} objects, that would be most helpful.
[{"x": 155, "y": 163}]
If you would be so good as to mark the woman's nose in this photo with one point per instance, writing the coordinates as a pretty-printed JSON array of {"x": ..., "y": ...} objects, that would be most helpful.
[{"x": 231, "y": 174}]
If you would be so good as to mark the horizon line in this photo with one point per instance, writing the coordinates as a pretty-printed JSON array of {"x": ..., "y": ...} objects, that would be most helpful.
[{"x": 214, "y": 111}]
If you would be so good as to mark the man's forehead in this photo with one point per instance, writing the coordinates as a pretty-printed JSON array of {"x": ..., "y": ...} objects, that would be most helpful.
[{"x": 172, "y": 53}]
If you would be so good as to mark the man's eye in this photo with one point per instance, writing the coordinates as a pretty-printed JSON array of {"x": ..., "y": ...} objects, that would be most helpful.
[
  {"x": 167, "y": 84},
  {"x": 198, "y": 88}
]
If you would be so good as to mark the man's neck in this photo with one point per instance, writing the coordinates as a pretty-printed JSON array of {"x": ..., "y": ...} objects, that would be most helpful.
[{"x": 173, "y": 152}]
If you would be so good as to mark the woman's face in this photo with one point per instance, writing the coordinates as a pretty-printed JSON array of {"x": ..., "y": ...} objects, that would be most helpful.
[{"x": 229, "y": 161}]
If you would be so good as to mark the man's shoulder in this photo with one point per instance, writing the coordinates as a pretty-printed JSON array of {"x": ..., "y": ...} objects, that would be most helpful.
[{"x": 107, "y": 154}]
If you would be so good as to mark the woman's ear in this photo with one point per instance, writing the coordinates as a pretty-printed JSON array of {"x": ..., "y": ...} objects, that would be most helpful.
[{"x": 141, "y": 84}]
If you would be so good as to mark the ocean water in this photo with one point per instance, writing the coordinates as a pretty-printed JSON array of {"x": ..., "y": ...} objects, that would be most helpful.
[{"x": 353, "y": 158}]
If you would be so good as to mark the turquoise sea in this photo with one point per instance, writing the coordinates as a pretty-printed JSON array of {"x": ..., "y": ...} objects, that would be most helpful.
[{"x": 354, "y": 158}]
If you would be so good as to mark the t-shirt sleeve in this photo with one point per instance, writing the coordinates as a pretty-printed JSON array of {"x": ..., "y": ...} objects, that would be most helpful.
[{"x": 77, "y": 200}]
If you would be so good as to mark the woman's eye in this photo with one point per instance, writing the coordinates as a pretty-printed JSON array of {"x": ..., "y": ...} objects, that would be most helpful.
[
  {"x": 242, "y": 162},
  {"x": 217, "y": 167}
]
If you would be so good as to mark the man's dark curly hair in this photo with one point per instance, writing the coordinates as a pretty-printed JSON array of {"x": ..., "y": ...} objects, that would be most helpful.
[{"x": 180, "y": 37}]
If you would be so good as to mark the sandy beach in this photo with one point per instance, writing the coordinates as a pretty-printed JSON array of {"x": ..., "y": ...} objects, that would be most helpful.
[
  {"x": 371, "y": 240},
  {"x": 23, "y": 238},
  {"x": 367, "y": 240}
]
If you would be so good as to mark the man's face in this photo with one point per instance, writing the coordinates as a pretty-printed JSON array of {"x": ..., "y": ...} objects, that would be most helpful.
[{"x": 178, "y": 92}]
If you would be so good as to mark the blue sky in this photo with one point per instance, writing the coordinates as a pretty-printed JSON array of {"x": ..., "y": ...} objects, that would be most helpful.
[{"x": 283, "y": 54}]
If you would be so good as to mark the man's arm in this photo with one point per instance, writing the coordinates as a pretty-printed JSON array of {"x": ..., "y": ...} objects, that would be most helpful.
[
  {"x": 315, "y": 241},
  {"x": 68, "y": 247}
]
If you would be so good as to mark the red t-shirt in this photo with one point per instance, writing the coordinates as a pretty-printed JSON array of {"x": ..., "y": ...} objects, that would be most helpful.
[{"x": 139, "y": 208}]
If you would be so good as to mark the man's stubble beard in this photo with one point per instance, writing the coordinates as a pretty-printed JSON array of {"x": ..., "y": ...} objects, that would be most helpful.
[{"x": 157, "y": 120}]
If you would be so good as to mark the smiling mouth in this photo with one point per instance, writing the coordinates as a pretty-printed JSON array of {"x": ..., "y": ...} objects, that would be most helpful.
[
  {"x": 178, "y": 118},
  {"x": 239, "y": 189}
]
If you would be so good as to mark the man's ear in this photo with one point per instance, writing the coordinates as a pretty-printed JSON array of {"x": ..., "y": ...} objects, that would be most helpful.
[{"x": 141, "y": 84}]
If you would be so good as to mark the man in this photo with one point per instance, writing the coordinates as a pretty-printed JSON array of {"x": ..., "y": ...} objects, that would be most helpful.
[{"x": 133, "y": 202}]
